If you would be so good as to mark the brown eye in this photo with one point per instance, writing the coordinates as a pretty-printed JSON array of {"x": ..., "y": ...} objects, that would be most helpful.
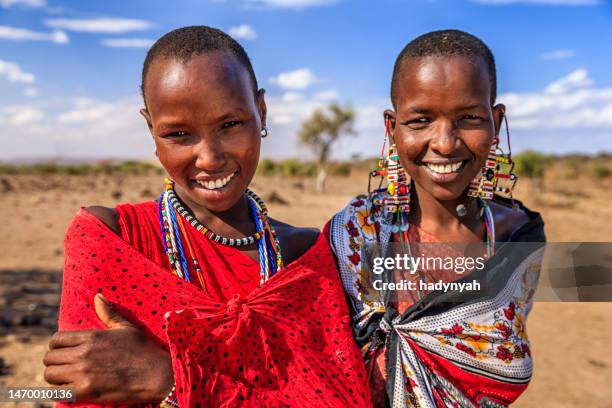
[
  {"x": 418, "y": 123},
  {"x": 472, "y": 119},
  {"x": 178, "y": 134},
  {"x": 231, "y": 123}
]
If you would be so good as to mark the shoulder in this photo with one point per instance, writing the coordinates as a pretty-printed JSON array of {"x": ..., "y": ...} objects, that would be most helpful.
[
  {"x": 364, "y": 215},
  {"x": 372, "y": 205},
  {"x": 512, "y": 218},
  {"x": 108, "y": 216},
  {"x": 294, "y": 241},
  {"x": 127, "y": 218}
]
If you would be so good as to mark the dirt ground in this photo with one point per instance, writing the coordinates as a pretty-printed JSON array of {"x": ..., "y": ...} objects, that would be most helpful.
[{"x": 571, "y": 342}]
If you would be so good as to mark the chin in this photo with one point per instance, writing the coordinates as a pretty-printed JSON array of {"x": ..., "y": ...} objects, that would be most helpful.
[
  {"x": 443, "y": 194},
  {"x": 217, "y": 201},
  {"x": 446, "y": 192}
]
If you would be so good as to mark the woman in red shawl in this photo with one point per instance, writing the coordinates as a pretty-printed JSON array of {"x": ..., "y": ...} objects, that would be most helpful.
[{"x": 253, "y": 314}]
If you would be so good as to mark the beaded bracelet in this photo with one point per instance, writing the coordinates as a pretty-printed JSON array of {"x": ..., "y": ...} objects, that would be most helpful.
[{"x": 171, "y": 400}]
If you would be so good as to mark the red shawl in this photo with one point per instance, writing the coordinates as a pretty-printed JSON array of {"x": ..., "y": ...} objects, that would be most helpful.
[{"x": 286, "y": 343}]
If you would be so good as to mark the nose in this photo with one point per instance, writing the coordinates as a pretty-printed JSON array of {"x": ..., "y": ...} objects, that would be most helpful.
[
  {"x": 445, "y": 140},
  {"x": 209, "y": 154}
]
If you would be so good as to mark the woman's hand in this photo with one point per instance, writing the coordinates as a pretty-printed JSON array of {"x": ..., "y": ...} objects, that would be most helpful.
[{"x": 117, "y": 365}]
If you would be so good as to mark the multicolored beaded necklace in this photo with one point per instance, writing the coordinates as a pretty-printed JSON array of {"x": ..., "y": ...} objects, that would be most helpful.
[
  {"x": 401, "y": 226},
  {"x": 172, "y": 218}
]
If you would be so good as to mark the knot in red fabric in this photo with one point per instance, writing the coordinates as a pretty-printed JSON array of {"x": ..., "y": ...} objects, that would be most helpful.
[{"x": 236, "y": 304}]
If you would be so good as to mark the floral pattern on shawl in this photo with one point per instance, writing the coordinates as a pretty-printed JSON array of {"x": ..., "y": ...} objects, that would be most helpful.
[{"x": 440, "y": 353}]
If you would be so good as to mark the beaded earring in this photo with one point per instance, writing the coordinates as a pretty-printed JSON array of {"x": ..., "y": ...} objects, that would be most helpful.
[
  {"x": 397, "y": 199},
  {"x": 483, "y": 185},
  {"x": 497, "y": 175},
  {"x": 505, "y": 177}
]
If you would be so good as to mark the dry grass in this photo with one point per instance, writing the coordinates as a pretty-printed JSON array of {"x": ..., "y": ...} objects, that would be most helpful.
[{"x": 572, "y": 343}]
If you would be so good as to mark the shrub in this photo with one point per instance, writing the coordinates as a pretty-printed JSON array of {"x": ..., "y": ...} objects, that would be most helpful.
[
  {"x": 6, "y": 168},
  {"x": 296, "y": 168},
  {"x": 134, "y": 167},
  {"x": 601, "y": 170},
  {"x": 267, "y": 168},
  {"x": 341, "y": 169},
  {"x": 572, "y": 166},
  {"x": 531, "y": 164}
]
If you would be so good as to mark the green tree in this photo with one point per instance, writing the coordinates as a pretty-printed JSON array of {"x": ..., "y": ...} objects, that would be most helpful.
[{"x": 320, "y": 132}]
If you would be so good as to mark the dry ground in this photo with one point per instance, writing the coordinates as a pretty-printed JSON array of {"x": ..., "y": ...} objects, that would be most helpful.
[{"x": 572, "y": 343}]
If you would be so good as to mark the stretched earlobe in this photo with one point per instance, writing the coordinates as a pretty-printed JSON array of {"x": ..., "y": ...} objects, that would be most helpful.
[
  {"x": 389, "y": 116},
  {"x": 262, "y": 107},
  {"x": 145, "y": 114},
  {"x": 499, "y": 115}
]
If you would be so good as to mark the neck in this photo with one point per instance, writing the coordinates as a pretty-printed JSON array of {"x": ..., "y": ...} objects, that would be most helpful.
[
  {"x": 440, "y": 217},
  {"x": 234, "y": 222}
]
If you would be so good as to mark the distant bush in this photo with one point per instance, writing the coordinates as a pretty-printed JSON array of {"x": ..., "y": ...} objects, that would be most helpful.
[
  {"x": 532, "y": 164},
  {"x": 601, "y": 170},
  {"x": 294, "y": 167},
  {"x": 267, "y": 167},
  {"x": 125, "y": 167},
  {"x": 286, "y": 168},
  {"x": 572, "y": 167},
  {"x": 136, "y": 167},
  {"x": 6, "y": 168},
  {"x": 341, "y": 169}
]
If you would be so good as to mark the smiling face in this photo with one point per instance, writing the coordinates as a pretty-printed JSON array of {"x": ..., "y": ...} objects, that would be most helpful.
[
  {"x": 444, "y": 124},
  {"x": 206, "y": 123}
]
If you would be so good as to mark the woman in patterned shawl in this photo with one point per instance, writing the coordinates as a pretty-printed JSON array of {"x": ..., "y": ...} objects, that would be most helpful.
[{"x": 442, "y": 348}]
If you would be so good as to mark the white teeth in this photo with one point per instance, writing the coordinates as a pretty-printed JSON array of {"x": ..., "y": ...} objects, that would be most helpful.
[
  {"x": 444, "y": 168},
  {"x": 215, "y": 184}
]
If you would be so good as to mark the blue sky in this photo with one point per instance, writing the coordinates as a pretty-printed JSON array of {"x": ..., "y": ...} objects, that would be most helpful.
[{"x": 70, "y": 70}]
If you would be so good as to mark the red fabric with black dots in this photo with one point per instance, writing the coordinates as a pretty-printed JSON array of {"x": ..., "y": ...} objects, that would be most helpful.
[{"x": 285, "y": 343}]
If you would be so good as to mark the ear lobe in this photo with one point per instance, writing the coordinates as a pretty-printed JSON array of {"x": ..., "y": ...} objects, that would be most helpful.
[
  {"x": 145, "y": 114},
  {"x": 389, "y": 116},
  {"x": 262, "y": 107},
  {"x": 499, "y": 112}
]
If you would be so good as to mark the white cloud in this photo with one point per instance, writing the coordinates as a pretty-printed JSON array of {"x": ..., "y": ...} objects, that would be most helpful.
[
  {"x": 127, "y": 42},
  {"x": 243, "y": 32},
  {"x": 557, "y": 55},
  {"x": 23, "y": 34},
  {"x": 298, "y": 79},
  {"x": 328, "y": 95},
  {"x": 578, "y": 117},
  {"x": 99, "y": 25},
  {"x": 290, "y": 110},
  {"x": 568, "y": 103},
  {"x": 86, "y": 111},
  {"x": 576, "y": 80},
  {"x": 23, "y": 3},
  {"x": 31, "y": 92},
  {"x": 76, "y": 127},
  {"x": 14, "y": 73},
  {"x": 292, "y": 97},
  {"x": 287, "y": 112},
  {"x": 541, "y": 2},
  {"x": 19, "y": 115},
  {"x": 293, "y": 4}
]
